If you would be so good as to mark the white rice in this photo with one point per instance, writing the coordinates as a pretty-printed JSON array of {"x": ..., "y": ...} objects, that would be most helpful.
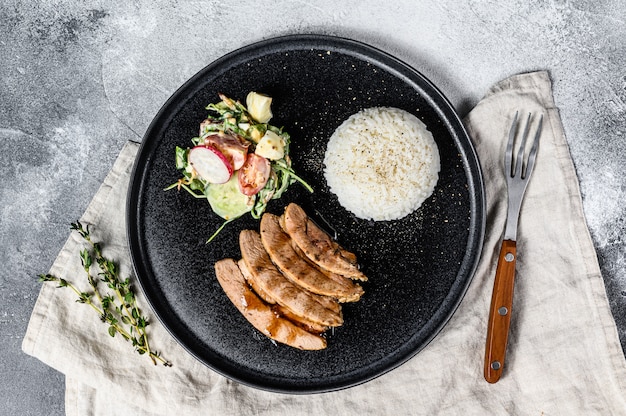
[{"x": 382, "y": 163}]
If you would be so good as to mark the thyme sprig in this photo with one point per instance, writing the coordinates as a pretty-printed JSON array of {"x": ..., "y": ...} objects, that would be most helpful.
[{"x": 116, "y": 307}]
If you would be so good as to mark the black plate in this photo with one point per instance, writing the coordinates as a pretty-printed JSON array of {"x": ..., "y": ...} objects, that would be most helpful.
[{"x": 419, "y": 267}]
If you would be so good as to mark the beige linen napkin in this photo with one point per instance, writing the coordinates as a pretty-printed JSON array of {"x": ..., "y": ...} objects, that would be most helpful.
[{"x": 564, "y": 354}]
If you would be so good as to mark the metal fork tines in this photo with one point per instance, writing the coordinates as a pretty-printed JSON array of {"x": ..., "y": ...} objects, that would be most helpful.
[{"x": 518, "y": 171}]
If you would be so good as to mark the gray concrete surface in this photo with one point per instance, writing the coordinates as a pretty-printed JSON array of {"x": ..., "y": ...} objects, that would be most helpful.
[{"x": 80, "y": 78}]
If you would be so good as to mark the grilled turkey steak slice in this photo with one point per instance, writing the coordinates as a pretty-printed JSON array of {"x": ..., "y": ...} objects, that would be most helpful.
[
  {"x": 260, "y": 314},
  {"x": 317, "y": 245},
  {"x": 280, "y": 248},
  {"x": 321, "y": 309}
]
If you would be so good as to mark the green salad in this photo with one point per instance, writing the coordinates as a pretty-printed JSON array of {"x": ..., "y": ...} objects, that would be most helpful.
[{"x": 238, "y": 161}]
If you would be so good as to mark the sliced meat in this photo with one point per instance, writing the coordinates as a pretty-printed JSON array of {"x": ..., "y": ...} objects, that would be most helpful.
[
  {"x": 253, "y": 283},
  {"x": 301, "y": 321},
  {"x": 356, "y": 290},
  {"x": 317, "y": 245},
  {"x": 279, "y": 246},
  {"x": 259, "y": 313},
  {"x": 320, "y": 309}
]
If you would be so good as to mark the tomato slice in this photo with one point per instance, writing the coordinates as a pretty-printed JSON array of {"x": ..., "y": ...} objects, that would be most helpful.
[{"x": 254, "y": 174}]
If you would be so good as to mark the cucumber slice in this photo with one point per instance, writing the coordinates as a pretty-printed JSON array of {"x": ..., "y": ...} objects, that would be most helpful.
[{"x": 226, "y": 199}]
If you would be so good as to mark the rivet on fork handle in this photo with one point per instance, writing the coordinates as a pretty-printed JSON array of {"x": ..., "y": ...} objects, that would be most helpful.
[{"x": 500, "y": 312}]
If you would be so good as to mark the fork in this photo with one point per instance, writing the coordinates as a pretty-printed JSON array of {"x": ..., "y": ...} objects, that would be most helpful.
[{"x": 517, "y": 177}]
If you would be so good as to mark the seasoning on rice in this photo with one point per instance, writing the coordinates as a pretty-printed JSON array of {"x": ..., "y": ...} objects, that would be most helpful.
[{"x": 382, "y": 163}]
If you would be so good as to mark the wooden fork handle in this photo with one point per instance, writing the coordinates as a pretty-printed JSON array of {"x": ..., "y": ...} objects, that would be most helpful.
[{"x": 500, "y": 312}]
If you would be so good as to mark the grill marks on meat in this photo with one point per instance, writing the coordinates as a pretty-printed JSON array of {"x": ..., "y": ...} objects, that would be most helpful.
[
  {"x": 291, "y": 279},
  {"x": 278, "y": 309},
  {"x": 296, "y": 268},
  {"x": 356, "y": 291},
  {"x": 253, "y": 283},
  {"x": 317, "y": 245},
  {"x": 319, "y": 309},
  {"x": 261, "y": 315}
]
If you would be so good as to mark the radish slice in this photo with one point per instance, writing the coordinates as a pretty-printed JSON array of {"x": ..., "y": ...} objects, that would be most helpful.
[{"x": 210, "y": 164}]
